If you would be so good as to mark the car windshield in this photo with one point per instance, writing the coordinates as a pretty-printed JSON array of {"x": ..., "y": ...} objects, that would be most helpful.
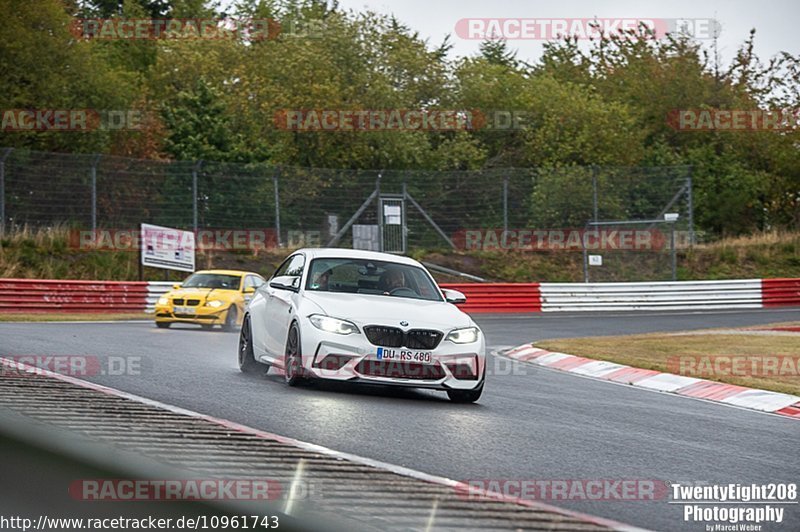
[
  {"x": 212, "y": 280},
  {"x": 361, "y": 276}
]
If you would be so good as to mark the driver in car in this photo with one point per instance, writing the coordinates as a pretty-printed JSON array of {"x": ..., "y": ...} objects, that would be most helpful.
[
  {"x": 322, "y": 281},
  {"x": 391, "y": 280}
]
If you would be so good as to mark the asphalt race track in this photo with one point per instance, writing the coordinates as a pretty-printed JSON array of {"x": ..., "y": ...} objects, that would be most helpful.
[{"x": 531, "y": 423}]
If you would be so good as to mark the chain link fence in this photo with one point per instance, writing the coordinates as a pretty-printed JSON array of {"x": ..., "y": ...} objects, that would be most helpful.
[{"x": 516, "y": 209}]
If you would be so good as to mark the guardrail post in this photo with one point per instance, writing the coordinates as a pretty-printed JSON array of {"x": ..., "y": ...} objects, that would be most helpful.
[
  {"x": 6, "y": 153},
  {"x": 275, "y": 181}
]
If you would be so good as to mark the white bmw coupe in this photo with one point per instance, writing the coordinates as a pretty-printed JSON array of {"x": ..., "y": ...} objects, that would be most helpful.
[{"x": 362, "y": 316}]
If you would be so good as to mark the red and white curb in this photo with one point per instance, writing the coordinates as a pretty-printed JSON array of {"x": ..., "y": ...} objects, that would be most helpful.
[{"x": 729, "y": 394}]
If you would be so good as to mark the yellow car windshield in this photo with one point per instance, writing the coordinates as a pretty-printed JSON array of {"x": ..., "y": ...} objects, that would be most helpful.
[{"x": 212, "y": 280}]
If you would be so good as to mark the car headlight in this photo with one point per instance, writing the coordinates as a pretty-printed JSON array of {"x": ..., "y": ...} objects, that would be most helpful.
[
  {"x": 334, "y": 325},
  {"x": 163, "y": 300},
  {"x": 463, "y": 336},
  {"x": 214, "y": 304}
]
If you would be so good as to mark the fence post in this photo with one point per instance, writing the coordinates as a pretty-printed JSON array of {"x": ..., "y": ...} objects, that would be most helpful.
[
  {"x": 690, "y": 206},
  {"x": 95, "y": 162},
  {"x": 195, "y": 169},
  {"x": 6, "y": 153},
  {"x": 275, "y": 182},
  {"x": 674, "y": 257},
  {"x": 405, "y": 219},
  {"x": 585, "y": 254},
  {"x": 594, "y": 192},
  {"x": 505, "y": 207},
  {"x": 380, "y": 210}
]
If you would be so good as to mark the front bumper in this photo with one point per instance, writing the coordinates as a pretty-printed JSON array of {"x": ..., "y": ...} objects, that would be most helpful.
[
  {"x": 353, "y": 358},
  {"x": 203, "y": 315}
]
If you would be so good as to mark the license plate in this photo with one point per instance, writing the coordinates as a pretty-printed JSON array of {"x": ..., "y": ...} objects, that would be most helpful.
[
  {"x": 184, "y": 310},
  {"x": 405, "y": 355}
]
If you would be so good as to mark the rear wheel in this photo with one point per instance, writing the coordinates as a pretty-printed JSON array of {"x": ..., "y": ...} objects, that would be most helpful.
[
  {"x": 163, "y": 324},
  {"x": 247, "y": 361},
  {"x": 230, "y": 319},
  {"x": 206, "y": 326},
  {"x": 292, "y": 360}
]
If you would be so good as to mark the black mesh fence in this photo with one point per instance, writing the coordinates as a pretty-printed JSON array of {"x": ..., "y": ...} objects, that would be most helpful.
[{"x": 523, "y": 209}]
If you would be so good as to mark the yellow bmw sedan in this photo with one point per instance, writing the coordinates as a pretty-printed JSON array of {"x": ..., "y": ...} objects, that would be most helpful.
[{"x": 208, "y": 298}]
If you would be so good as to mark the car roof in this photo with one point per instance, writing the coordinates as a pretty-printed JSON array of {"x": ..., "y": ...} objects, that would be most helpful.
[
  {"x": 341, "y": 253},
  {"x": 229, "y": 272}
]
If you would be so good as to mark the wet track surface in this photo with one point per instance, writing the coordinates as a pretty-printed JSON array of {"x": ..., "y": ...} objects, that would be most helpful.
[{"x": 531, "y": 423}]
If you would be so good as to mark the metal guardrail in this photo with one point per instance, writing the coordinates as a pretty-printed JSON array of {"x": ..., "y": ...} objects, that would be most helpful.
[
  {"x": 686, "y": 295},
  {"x": 30, "y": 295},
  {"x": 36, "y": 295},
  {"x": 780, "y": 292}
]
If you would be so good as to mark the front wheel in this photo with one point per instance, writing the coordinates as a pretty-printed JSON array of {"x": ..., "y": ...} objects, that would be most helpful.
[
  {"x": 293, "y": 359},
  {"x": 230, "y": 320},
  {"x": 163, "y": 324},
  {"x": 247, "y": 361}
]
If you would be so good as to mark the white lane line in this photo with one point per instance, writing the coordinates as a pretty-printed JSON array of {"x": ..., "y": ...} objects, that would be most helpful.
[{"x": 377, "y": 464}]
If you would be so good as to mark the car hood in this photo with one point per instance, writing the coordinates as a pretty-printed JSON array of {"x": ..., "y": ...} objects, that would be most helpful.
[
  {"x": 386, "y": 310},
  {"x": 201, "y": 293}
]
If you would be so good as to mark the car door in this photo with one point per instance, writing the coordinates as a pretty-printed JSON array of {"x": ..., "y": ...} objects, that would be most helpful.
[
  {"x": 259, "y": 310},
  {"x": 280, "y": 307}
]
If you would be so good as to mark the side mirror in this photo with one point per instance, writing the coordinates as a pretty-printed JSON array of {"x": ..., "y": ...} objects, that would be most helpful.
[
  {"x": 249, "y": 290},
  {"x": 176, "y": 286},
  {"x": 454, "y": 296},
  {"x": 286, "y": 282}
]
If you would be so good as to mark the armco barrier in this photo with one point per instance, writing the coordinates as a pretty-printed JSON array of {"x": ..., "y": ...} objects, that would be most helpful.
[
  {"x": 499, "y": 297},
  {"x": 495, "y": 297},
  {"x": 780, "y": 292},
  {"x": 34, "y": 295},
  {"x": 683, "y": 295}
]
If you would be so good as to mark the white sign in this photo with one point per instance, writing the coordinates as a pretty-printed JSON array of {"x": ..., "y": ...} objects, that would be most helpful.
[
  {"x": 392, "y": 215},
  {"x": 167, "y": 248},
  {"x": 595, "y": 260},
  {"x": 366, "y": 237}
]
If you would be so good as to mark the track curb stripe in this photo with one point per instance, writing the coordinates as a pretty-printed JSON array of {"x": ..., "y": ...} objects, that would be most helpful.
[{"x": 728, "y": 394}]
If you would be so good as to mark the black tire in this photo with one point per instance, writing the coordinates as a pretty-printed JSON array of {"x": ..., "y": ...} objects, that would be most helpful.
[
  {"x": 247, "y": 361},
  {"x": 230, "y": 319},
  {"x": 206, "y": 326},
  {"x": 292, "y": 358},
  {"x": 163, "y": 324}
]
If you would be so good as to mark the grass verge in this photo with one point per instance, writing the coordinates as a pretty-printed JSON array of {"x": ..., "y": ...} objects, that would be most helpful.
[{"x": 693, "y": 355}]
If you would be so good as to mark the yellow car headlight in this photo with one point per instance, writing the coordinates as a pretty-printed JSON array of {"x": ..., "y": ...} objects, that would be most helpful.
[
  {"x": 163, "y": 300},
  {"x": 214, "y": 304}
]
